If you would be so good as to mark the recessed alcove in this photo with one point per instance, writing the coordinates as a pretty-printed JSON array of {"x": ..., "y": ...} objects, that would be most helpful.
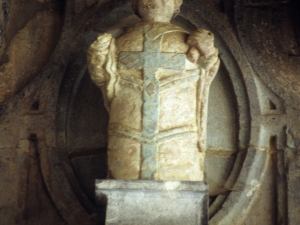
[
  {"x": 86, "y": 133},
  {"x": 54, "y": 124}
]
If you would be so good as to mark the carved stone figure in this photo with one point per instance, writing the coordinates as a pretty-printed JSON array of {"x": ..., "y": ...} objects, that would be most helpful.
[{"x": 155, "y": 79}]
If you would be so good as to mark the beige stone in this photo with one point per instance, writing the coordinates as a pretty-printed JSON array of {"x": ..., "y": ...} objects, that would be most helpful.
[
  {"x": 35, "y": 43},
  {"x": 155, "y": 79}
]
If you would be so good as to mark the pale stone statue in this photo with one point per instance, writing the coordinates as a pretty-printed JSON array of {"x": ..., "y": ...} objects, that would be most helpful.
[{"x": 155, "y": 78}]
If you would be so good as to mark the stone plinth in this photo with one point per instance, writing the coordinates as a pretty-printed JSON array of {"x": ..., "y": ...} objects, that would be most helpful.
[{"x": 153, "y": 202}]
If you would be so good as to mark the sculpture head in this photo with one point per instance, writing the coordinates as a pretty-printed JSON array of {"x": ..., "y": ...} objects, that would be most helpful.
[{"x": 156, "y": 10}]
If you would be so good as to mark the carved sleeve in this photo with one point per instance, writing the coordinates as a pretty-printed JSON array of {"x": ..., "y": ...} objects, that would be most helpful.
[
  {"x": 210, "y": 64},
  {"x": 203, "y": 53},
  {"x": 102, "y": 65}
]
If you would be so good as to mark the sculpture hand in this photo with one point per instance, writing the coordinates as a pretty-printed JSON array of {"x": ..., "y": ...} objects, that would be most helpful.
[
  {"x": 193, "y": 54},
  {"x": 203, "y": 41},
  {"x": 202, "y": 51}
]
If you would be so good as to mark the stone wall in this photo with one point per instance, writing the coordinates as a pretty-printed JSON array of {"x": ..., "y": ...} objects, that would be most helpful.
[{"x": 53, "y": 122}]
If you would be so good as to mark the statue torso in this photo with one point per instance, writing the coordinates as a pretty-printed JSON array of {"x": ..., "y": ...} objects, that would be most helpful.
[{"x": 153, "y": 120}]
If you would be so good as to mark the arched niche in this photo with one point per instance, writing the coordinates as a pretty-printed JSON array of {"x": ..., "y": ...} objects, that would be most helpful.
[{"x": 76, "y": 118}]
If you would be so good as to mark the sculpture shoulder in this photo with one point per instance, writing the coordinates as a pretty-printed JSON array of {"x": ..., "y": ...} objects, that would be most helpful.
[
  {"x": 130, "y": 40},
  {"x": 173, "y": 37},
  {"x": 175, "y": 41}
]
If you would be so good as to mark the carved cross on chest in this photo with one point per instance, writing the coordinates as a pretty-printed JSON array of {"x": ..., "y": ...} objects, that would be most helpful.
[{"x": 150, "y": 60}]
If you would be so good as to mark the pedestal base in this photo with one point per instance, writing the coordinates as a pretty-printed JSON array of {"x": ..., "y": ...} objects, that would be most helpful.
[{"x": 153, "y": 202}]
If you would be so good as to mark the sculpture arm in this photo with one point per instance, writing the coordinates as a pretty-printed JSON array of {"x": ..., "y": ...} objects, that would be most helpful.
[
  {"x": 203, "y": 53},
  {"x": 102, "y": 65},
  {"x": 210, "y": 64}
]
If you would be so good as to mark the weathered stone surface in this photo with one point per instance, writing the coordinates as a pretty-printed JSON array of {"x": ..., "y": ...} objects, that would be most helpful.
[
  {"x": 34, "y": 42},
  {"x": 153, "y": 202},
  {"x": 65, "y": 111},
  {"x": 155, "y": 78}
]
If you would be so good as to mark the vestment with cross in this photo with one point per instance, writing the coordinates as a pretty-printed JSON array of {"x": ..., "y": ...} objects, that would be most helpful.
[
  {"x": 150, "y": 60},
  {"x": 154, "y": 108}
]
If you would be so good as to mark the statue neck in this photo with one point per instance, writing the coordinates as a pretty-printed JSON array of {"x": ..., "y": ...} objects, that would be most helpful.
[{"x": 156, "y": 18}]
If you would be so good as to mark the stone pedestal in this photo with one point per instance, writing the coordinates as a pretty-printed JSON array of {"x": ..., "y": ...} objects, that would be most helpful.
[{"x": 153, "y": 202}]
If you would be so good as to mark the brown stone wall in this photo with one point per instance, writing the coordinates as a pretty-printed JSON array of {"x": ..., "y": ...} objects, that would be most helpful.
[{"x": 53, "y": 123}]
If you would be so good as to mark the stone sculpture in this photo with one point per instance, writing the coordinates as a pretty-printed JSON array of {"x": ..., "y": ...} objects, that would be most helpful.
[{"x": 155, "y": 79}]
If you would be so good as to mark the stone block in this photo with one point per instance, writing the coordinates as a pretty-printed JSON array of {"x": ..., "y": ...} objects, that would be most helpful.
[{"x": 152, "y": 202}]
